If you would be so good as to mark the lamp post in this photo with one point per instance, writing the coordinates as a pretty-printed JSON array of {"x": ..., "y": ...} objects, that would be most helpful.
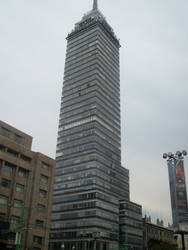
[
  {"x": 177, "y": 187},
  {"x": 19, "y": 230}
]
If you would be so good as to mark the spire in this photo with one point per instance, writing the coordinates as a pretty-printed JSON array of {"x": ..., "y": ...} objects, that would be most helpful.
[{"x": 95, "y": 5}]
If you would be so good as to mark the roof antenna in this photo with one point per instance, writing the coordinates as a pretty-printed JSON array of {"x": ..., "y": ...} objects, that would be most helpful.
[{"x": 95, "y": 5}]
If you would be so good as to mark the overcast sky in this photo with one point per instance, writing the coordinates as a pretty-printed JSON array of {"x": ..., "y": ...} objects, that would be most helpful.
[{"x": 154, "y": 81}]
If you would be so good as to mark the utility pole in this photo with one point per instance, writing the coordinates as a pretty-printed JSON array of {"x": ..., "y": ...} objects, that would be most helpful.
[{"x": 19, "y": 229}]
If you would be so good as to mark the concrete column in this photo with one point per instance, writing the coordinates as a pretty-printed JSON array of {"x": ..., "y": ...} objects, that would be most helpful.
[
  {"x": 100, "y": 246},
  {"x": 85, "y": 245},
  {"x": 95, "y": 245}
]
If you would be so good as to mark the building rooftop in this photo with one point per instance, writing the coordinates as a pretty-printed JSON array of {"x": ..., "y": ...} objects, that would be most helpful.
[
  {"x": 91, "y": 17},
  {"x": 15, "y": 135}
]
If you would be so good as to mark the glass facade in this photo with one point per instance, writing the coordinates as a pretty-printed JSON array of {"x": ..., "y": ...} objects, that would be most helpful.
[{"x": 89, "y": 179}]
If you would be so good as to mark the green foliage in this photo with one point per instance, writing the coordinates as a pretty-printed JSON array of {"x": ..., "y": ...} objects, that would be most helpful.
[{"x": 163, "y": 246}]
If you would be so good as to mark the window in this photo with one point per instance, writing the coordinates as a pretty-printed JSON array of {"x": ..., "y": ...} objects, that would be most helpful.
[
  {"x": 39, "y": 223},
  {"x": 42, "y": 193},
  {"x": 37, "y": 239},
  {"x": 41, "y": 208},
  {"x": 12, "y": 152},
  {"x": 2, "y": 148},
  {"x": 3, "y": 200},
  {"x": 12, "y": 236},
  {"x": 18, "y": 138},
  {"x": 17, "y": 203},
  {"x": 9, "y": 167},
  {"x": 22, "y": 172},
  {"x": 44, "y": 179},
  {"x": 19, "y": 188},
  {"x": 45, "y": 166},
  {"x": 5, "y": 132},
  {"x": 15, "y": 219},
  {"x": 3, "y": 217},
  {"x": 25, "y": 158},
  {"x": 5, "y": 183}
]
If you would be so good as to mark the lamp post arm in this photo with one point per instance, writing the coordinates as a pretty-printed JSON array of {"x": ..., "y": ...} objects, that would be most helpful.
[{"x": 18, "y": 233}]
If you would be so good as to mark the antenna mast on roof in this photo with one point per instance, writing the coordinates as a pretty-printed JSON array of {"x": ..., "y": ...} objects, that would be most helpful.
[{"x": 95, "y": 5}]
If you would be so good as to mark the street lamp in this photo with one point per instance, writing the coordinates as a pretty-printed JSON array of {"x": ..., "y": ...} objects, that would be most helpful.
[
  {"x": 63, "y": 246},
  {"x": 177, "y": 185},
  {"x": 178, "y": 155}
]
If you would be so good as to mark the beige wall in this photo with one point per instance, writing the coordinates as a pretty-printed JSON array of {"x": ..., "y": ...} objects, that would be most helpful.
[{"x": 32, "y": 184}]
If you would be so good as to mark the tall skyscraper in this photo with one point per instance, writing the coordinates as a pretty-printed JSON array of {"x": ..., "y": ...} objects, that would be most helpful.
[{"x": 90, "y": 180}]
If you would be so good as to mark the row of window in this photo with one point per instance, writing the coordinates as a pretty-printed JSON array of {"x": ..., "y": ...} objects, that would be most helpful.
[
  {"x": 105, "y": 162},
  {"x": 79, "y": 171},
  {"x": 104, "y": 114},
  {"x": 88, "y": 105},
  {"x": 131, "y": 207},
  {"x": 86, "y": 137},
  {"x": 86, "y": 223},
  {"x": 11, "y": 237},
  {"x": 94, "y": 145},
  {"x": 16, "y": 219},
  {"x": 110, "y": 110},
  {"x": 77, "y": 197},
  {"x": 90, "y": 119},
  {"x": 4, "y": 200},
  {"x": 5, "y": 132},
  {"x": 19, "y": 187},
  {"x": 91, "y": 41},
  {"x": 131, "y": 214},
  {"x": 87, "y": 81},
  {"x": 77, "y": 92},
  {"x": 86, "y": 205},
  {"x": 14, "y": 153},
  {"x": 88, "y": 129},
  {"x": 83, "y": 233},
  {"x": 64, "y": 207},
  {"x": 90, "y": 71},
  {"x": 91, "y": 173},
  {"x": 130, "y": 230},
  {"x": 18, "y": 203},
  {"x": 101, "y": 75},
  {"x": 84, "y": 214},
  {"x": 95, "y": 61},
  {"x": 87, "y": 58},
  {"x": 9, "y": 167},
  {"x": 81, "y": 108},
  {"x": 98, "y": 44},
  {"x": 68, "y": 92},
  {"x": 102, "y": 38},
  {"x": 83, "y": 105},
  {"x": 158, "y": 232}
]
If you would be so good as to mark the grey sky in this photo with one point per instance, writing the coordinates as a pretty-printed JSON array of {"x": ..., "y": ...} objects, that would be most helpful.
[{"x": 154, "y": 77}]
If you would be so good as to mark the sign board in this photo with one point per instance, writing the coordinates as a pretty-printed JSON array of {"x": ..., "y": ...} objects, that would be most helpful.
[{"x": 178, "y": 194}]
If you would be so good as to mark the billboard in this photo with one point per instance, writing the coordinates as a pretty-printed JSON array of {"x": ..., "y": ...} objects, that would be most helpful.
[{"x": 178, "y": 194}]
